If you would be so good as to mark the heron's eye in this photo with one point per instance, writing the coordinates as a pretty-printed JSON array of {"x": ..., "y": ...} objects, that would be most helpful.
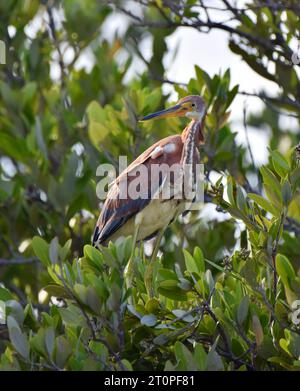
[{"x": 193, "y": 105}]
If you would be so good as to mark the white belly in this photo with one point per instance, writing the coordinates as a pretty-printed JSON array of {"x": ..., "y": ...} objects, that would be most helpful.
[{"x": 154, "y": 217}]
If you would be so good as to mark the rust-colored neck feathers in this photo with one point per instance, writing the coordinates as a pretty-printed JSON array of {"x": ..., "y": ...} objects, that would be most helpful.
[
  {"x": 194, "y": 129},
  {"x": 191, "y": 137}
]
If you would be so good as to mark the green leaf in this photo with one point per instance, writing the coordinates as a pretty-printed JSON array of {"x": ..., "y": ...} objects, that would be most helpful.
[
  {"x": 284, "y": 269},
  {"x": 93, "y": 300},
  {"x": 281, "y": 165},
  {"x": 152, "y": 306},
  {"x": 272, "y": 183},
  {"x": 28, "y": 92},
  {"x": 49, "y": 340},
  {"x": 127, "y": 364},
  {"x": 5, "y": 294},
  {"x": 186, "y": 317},
  {"x": 100, "y": 349},
  {"x": 273, "y": 197},
  {"x": 209, "y": 279},
  {"x": 94, "y": 255},
  {"x": 199, "y": 258},
  {"x": 149, "y": 320},
  {"x": 264, "y": 204},
  {"x": 184, "y": 284},
  {"x": 191, "y": 264},
  {"x": 57, "y": 291},
  {"x": 53, "y": 250},
  {"x": 240, "y": 199},
  {"x": 185, "y": 359},
  {"x": 37, "y": 343},
  {"x": 218, "y": 267},
  {"x": 14, "y": 309},
  {"x": 295, "y": 176},
  {"x": 64, "y": 251},
  {"x": 200, "y": 357},
  {"x": 81, "y": 291},
  {"x": 169, "y": 284},
  {"x": 167, "y": 274},
  {"x": 40, "y": 138},
  {"x": 231, "y": 186},
  {"x": 97, "y": 130},
  {"x": 72, "y": 316},
  {"x": 169, "y": 366},
  {"x": 286, "y": 192},
  {"x": 41, "y": 250},
  {"x": 17, "y": 338},
  {"x": 214, "y": 362},
  {"x": 14, "y": 147},
  {"x": 134, "y": 312},
  {"x": 63, "y": 351},
  {"x": 284, "y": 345},
  {"x": 258, "y": 330},
  {"x": 174, "y": 294},
  {"x": 243, "y": 309},
  {"x": 231, "y": 95}
]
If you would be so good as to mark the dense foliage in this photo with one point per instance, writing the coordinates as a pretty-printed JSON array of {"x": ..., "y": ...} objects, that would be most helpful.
[{"x": 227, "y": 281}]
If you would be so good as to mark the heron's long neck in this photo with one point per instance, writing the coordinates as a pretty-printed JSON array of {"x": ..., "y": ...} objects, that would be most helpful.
[{"x": 190, "y": 138}]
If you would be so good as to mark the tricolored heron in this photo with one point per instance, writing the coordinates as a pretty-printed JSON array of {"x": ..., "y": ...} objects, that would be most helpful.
[{"x": 148, "y": 216}]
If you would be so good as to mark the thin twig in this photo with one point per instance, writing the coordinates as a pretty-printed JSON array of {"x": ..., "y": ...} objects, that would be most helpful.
[{"x": 18, "y": 261}]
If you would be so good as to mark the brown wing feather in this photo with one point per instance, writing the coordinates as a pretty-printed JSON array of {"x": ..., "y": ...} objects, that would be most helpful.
[{"x": 116, "y": 212}]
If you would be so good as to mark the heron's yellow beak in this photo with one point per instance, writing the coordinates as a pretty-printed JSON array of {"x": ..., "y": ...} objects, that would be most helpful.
[{"x": 174, "y": 111}]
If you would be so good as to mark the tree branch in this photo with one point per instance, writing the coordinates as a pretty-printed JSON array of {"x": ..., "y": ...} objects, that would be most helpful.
[{"x": 18, "y": 261}]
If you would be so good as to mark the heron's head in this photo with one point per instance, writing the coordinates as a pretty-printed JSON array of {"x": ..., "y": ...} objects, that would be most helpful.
[{"x": 192, "y": 106}]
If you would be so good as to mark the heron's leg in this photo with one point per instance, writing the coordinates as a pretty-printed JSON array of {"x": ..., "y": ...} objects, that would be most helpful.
[
  {"x": 129, "y": 269},
  {"x": 150, "y": 267}
]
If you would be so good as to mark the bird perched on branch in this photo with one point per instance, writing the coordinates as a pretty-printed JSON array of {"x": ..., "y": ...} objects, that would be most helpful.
[{"x": 148, "y": 213}]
